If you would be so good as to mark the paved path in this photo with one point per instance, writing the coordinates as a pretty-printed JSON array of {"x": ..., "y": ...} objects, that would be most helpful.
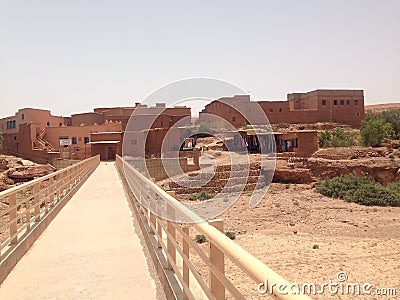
[{"x": 89, "y": 251}]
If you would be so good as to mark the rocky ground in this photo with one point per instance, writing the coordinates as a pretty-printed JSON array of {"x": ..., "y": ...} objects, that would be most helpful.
[
  {"x": 310, "y": 238},
  {"x": 14, "y": 170},
  {"x": 378, "y": 108}
]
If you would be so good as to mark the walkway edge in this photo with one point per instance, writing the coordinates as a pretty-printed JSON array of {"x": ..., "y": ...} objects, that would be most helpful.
[
  {"x": 167, "y": 278},
  {"x": 29, "y": 238}
]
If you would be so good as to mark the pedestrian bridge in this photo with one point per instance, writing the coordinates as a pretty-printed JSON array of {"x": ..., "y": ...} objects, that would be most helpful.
[{"x": 80, "y": 233}]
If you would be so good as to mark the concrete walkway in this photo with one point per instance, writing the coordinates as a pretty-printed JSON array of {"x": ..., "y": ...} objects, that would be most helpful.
[{"x": 89, "y": 251}]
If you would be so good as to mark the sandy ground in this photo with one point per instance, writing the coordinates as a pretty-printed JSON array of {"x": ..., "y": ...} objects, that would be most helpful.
[{"x": 309, "y": 238}]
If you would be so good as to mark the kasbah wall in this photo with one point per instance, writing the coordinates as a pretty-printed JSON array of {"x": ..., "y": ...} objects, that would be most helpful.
[
  {"x": 36, "y": 134},
  {"x": 337, "y": 106}
]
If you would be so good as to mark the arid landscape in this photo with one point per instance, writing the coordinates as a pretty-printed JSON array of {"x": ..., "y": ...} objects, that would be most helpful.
[{"x": 307, "y": 237}]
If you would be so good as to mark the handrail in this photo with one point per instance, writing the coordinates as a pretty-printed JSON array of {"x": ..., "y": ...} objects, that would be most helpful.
[
  {"x": 28, "y": 203},
  {"x": 220, "y": 244}
]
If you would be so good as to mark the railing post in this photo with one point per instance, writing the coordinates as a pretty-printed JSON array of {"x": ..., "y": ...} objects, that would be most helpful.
[
  {"x": 12, "y": 200},
  {"x": 185, "y": 266},
  {"x": 218, "y": 261},
  {"x": 172, "y": 236},
  {"x": 28, "y": 212},
  {"x": 51, "y": 190},
  {"x": 36, "y": 201}
]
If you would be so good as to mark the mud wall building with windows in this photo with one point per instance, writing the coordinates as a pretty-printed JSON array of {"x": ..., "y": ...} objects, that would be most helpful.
[{"x": 335, "y": 106}]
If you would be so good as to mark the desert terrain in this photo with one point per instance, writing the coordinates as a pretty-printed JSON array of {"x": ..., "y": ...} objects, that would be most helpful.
[{"x": 309, "y": 238}]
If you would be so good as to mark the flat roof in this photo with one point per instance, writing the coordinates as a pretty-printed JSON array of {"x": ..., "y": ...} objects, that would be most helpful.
[
  {"x": 106, "y": 132},
  {"x": 104, "y": 142}
]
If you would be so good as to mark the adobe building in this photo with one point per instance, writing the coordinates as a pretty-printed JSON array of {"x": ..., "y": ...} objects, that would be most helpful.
[
  {"x": 39, "y": 136},
  {"x": 335, "y": 106}
]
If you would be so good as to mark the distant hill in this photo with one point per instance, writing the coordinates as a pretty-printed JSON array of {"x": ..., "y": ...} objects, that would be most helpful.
[{"x": 378, "y": 108}]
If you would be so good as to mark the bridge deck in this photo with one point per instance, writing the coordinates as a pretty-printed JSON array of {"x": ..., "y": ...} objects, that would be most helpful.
[{"x": 89, "y": 251}]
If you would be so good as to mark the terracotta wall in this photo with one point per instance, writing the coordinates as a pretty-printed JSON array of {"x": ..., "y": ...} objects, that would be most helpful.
[
  {"x": 339, "y": 106},
  {"x": 31, "y": 115},
  {"x": 87, "y": 119}
]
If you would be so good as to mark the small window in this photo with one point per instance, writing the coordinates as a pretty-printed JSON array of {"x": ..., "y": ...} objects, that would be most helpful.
[
  {"x": 74, "y": 140},
  {"x": 347, "y": 102},
  {"x": 355, "y": 102},
  {"x": 133, "y": 142},
  {"x": 323, "y": 102},
  {"x": 271, "y": 110},
  {"x": 23, "y": 116},
  {"x": 334, "y": 102},
  {"x": 60, "y": 124},
  {"x": 86, "y": 139},
  {"x": 341, "y": 102},
  {"x": 162, "y": 123},
  {"x": 280, "y": 109},
  {"x": 14, "y": 125},
  {"x": 358, "y": 114},
  {"x": 233, "y": 119},
  {"x": 48, "y": 123},
  {"x": 15, "y": 138}
]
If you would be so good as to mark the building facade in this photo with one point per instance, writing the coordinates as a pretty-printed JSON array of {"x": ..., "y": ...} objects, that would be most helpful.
[
  {"x": 40, "y": 136},
  {"x": 335, "y": 106}
]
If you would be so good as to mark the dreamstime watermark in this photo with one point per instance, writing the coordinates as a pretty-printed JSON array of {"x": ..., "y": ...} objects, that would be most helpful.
[
  {"x": 340, "y": 286},
  {"x": 159, "y": 133}
]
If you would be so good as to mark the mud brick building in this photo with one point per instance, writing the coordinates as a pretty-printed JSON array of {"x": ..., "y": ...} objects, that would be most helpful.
[
  {"x": 336, "y": 106},
  {"x": 38, "y": 135}
]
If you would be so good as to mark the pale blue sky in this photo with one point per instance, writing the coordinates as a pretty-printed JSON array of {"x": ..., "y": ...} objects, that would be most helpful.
[{"x": 71, "y": 56}]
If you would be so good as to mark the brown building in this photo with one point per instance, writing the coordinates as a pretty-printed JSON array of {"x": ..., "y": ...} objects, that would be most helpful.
[
  {"x": 337, "y": 106},
  {"x": 38, "y": 135}
]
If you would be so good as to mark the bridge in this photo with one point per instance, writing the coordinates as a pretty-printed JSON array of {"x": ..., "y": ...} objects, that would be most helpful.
[{"x": 81, "y": 233}]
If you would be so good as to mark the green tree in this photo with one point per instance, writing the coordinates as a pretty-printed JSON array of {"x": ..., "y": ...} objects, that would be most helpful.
[
  {"x": 393, "y": 118},
  {"x": 341, "y": 138},
  {"x": 374, "y": 131},
  {"x": 324, "y": 138}
]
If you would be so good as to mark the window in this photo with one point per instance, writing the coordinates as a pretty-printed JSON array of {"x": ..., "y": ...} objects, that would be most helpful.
[
  {"x": 60, "y": 124},
  {"x": 86, "y": 139},
  {"x": 162, "y": 123},
  {"x": 14, "y": 125},
  {"x": 355, "y": 102},
  {"x": 48, "y": 123},
  {"x": 23, "y": 116},
  {"x": 271, "y": 110},
  {"x": 347, "y": 102},
  {"x": 133, "y": 142},
  {"x": 74, "y": 140},
  {"x": 15, "y": 138},
  {"x": 323, "y": 102},
  {"x": 358, "y": 114},
  {"x": 341, "y": 102},
  {"x": 334, "y": 102},
  {"x": 280, "y": 109},
  {"x": 233, "y": 119}
]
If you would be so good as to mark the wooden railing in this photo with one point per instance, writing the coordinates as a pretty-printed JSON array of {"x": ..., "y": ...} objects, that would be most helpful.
[
  {"x": 24, "y": 205},
  {"x": 177, "y": 244}
]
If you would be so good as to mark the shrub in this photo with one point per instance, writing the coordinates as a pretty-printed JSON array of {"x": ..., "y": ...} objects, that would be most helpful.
[
  {"x": 360, "y": 189},
  {"x": 324, "y": 138},
  {"x": 337, "y": 138},
  {"x": 203, "y": 195},
  {"x": 393, "y": 118},
  {"x": 200, "y": 238},
  {"x": 230, "y": 235},
  {"x": 391, "y": 156},
  {"x": 374, "y": 131}
]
